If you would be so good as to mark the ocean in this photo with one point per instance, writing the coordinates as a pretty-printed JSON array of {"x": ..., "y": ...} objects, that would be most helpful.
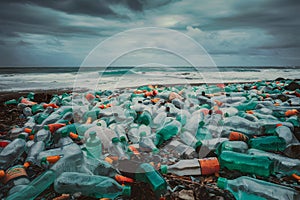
[{"x": 42, "y": 78}]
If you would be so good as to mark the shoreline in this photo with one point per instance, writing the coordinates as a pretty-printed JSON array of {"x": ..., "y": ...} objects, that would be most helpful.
[{"x": 6, "y": 95}]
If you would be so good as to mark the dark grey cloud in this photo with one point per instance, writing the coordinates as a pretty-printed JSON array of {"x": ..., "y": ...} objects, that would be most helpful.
[{"x": 278, "y": 18}]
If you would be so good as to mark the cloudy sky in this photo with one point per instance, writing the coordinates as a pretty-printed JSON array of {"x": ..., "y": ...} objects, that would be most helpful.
[{"x": 233, "y": 32}]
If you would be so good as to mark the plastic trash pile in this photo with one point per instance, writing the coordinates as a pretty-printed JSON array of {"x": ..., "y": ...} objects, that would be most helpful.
[{"x": 100, "y": 143}]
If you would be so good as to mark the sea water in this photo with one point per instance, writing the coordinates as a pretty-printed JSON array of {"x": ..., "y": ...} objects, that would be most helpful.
[{"x": 18, "y": 79}]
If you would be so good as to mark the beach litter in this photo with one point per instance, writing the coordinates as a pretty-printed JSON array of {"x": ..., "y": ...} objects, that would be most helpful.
[{"x": 217, "y": 141}]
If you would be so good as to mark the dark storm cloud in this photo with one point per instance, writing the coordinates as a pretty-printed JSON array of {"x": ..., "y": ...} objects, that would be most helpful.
[
  {"x": 278, "y": 18},
  {"x": 17, "y": 16}
]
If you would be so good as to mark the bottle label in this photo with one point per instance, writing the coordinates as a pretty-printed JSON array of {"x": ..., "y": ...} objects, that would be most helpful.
[{"x": 14, "y": 172}]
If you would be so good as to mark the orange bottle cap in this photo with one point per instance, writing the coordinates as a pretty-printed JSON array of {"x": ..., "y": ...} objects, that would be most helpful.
[
  {"x": 73, "y": 135},
  {"x": 250, "y": 112},
  {"x": 53, "y": 159},
  {"x": 123, "y": 179},
  {"x": 2, "y": 173},
  {"x": 237, "y": 136},
  {"x": 31, "y": 137},
  {"x": 109, "y": 160},
  {"x": 27, "y": 130},
  {"x": 209, "y": 165},
  {"x": 26, "y": 164}
]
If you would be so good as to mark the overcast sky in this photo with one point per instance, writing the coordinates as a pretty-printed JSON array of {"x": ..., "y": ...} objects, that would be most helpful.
[{"x": 233, "y": 32}]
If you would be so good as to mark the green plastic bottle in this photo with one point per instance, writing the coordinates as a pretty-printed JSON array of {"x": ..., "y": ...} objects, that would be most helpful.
[
  {"x": 145, "y": 118},
  {"x": 169, "y": 130},
  {"x": 90, "y": 185},
  {"x": 11, "y": 102},
  {"x": 147, "y": 174},
  {"x": 247, "y": 106},
  {"x": 35, "y": 187},
  {"x": 259, "y": 165},
  {"x": 254, "y": 189},
  {"x": 268, "y": 143}
]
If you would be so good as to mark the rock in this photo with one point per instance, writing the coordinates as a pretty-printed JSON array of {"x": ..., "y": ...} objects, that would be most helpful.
[
  {"x": 279, "y": 79},
  {"x": 292, "y": 86},
  {"x": 186, "y": 194}
]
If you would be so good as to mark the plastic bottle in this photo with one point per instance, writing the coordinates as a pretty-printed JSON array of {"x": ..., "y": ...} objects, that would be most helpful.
[
  {"x": 44, "y": 115},
  {"x": 146, "y": 143},
  {"x": 283, "y": 165},
  {"x": 33, "y": 152},
  {"x": 45, "y": 136},
  {"x": 236, "y": 146},
  {"x": 159, "y": 120},
  {"x": 189, "y": 139},
  {"x": 252, "y": 189},
  {"x": 72, "y": 159},
  {"x": 27, "y": 111},
  {"x": 259, "y": 165},
  {"x": 193, "y": 167},
  {"x": 147, "y": 174},
  {"x": 90, "y": 185},
  {"x": 179, "y": 150},
  {"x": 243, "y": 125},
  {"x": 183, "y": 117},
  {"x": 213, "y": 143},
  {"x": 99, "y": 167},
  {"x": 145, "y": 118},
  {"x": 115, "y": 149},
  {"x": 93, "y": 145},
  {"x": 286, "y": 133},
  {"x": 247, "y": 106},
  {"x": 12, "y": 152},
  {"x": 170, "y": 129},
  {"x": 34, "y": 188},
  {"x": 268, "y": 143}
]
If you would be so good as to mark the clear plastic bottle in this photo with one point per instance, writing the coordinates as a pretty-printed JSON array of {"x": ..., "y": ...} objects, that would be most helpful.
[
  {"x": 33, "y": 152},
  {"x": 243, "y": 125},
  {"x": 146, "y": 143},
  {"x": 248, "y": 188},
  {"x": 189, "y": 139},
  {"x": 45, "y": 136},
  {"x": 93, "y": 145},
  {"x": 115, "y": 149},
  {"x": 180, "y": 150},
  {"x": 236, "y": 146},
  {"x": 72, "y": 159},
  {"x": 159, "y": 120},
  {"x": 27, "y": 111},
  {"x": 102, "y": 187},
  {"x": 193, "y": 167},
  {"x": 286, "y": 133},
  {"x": 12, "y": 152}
]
